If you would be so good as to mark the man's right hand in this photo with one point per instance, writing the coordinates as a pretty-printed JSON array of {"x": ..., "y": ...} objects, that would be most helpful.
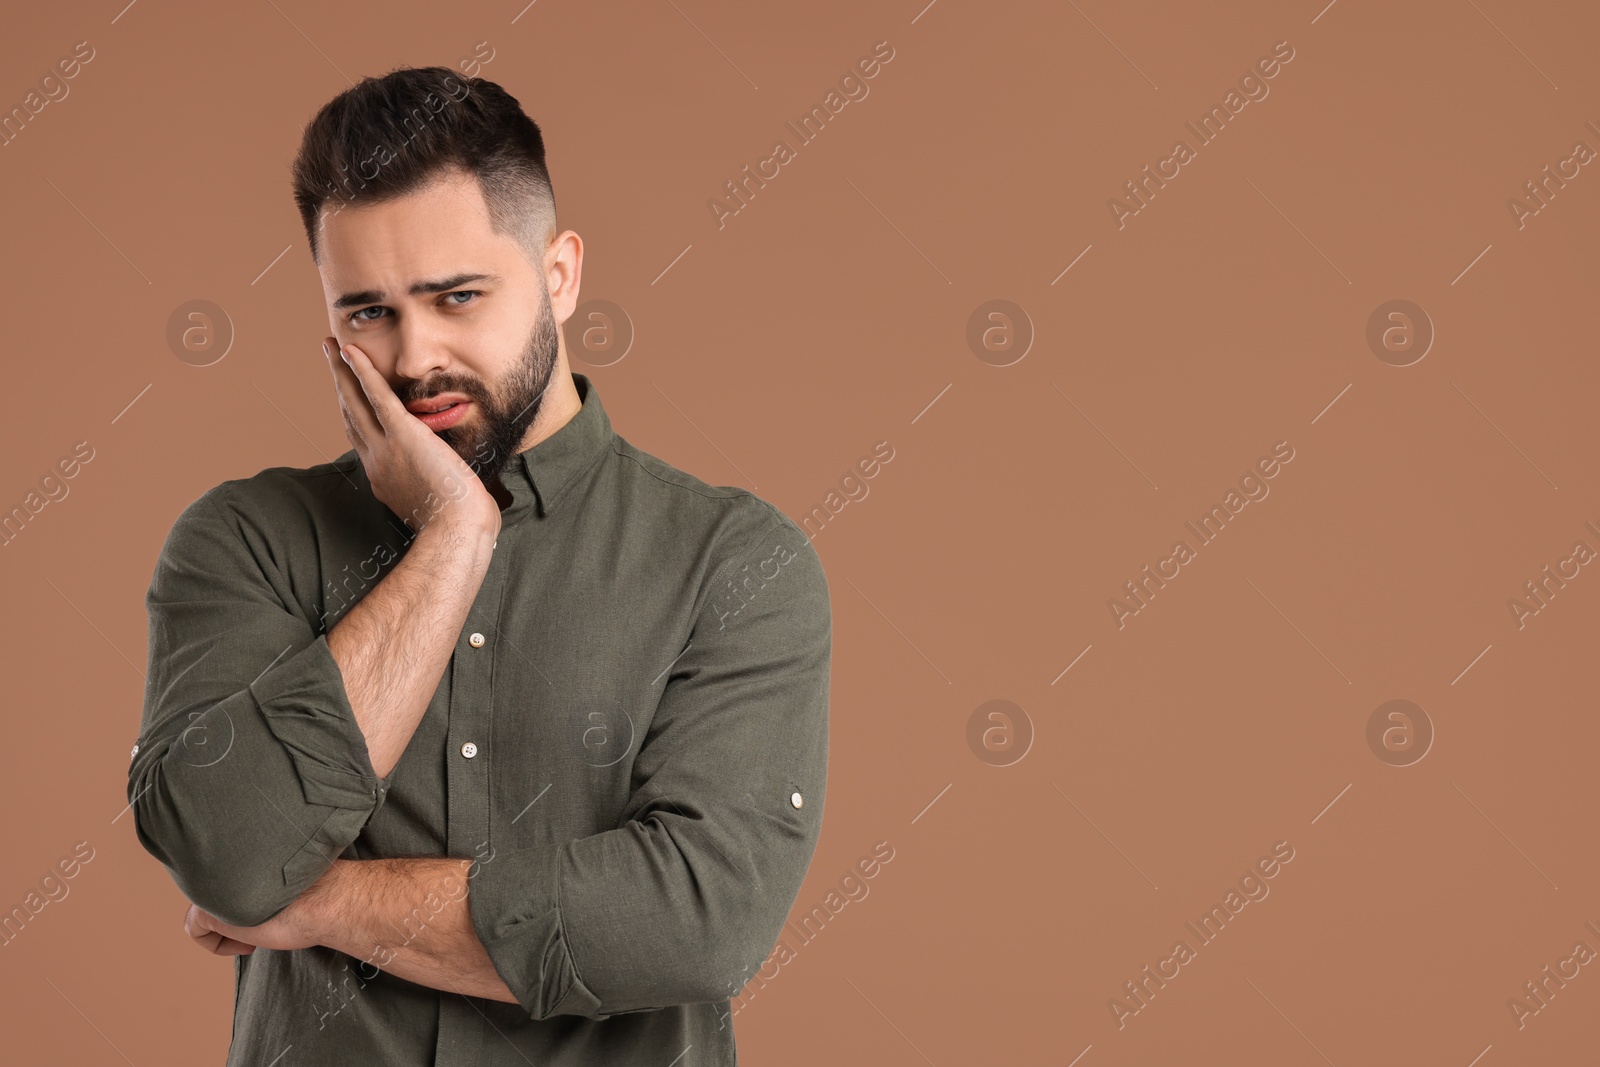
[{"x": 412, "y": 470}]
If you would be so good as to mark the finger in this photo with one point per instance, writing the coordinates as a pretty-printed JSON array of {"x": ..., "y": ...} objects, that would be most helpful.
[
  {"x": 218, "y": 945},
  {"x": 384, "y": 403},
  {"x": 198, "y": 922},
  {"x": 361, "y": 424}
]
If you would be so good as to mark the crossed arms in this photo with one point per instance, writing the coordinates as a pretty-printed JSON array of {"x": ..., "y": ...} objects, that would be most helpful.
[
  {"x": 265, "y": 748},
  {"x": 391, "y": 649},
  {"x": 369, "y": 909}
]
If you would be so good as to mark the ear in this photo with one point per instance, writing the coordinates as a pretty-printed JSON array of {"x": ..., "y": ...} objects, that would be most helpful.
[{"x": 563, "y": 273}]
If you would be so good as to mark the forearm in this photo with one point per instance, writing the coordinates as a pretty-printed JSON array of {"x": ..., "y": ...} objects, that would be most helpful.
[
  {"x": 408, "y": 917},
  {"x": 392, "y": 646}
]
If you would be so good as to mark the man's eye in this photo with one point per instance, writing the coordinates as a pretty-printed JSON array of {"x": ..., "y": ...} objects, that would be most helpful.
[{"x": 379, "y": 310}]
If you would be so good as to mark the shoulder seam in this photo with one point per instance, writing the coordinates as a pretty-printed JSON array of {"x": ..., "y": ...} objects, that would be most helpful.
[
  {"x": 742, "y": 556},
  {"x": 737, "y": 490}
]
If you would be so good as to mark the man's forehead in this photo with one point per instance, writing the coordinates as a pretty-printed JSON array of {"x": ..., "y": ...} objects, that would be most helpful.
[
  {"x": 431, "y": 241},
  {"x": 445, "y": 207}
]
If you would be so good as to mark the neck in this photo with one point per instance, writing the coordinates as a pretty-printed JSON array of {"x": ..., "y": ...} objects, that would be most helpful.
[{"x": 561, "y": 402}]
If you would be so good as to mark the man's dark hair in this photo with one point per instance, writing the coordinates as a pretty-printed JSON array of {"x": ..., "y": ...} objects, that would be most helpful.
[{"x": 385, "y": 138}]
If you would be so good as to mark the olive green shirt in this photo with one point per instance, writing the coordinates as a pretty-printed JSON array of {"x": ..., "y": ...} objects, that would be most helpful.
[{"x": 630, "y": 738}]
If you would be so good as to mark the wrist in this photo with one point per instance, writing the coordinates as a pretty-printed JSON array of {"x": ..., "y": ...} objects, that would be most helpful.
[
  {"x": 478, "y": 533},
  {"x": 319, "y": 905}
]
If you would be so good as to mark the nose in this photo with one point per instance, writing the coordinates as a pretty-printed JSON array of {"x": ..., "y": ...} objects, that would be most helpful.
[{"x": 420, "y": 352}]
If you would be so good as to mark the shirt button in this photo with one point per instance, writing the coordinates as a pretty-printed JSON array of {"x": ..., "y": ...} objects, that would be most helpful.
[
  {"x": 476, "y": 640},
  {"x": 469, "y": 750},
  {"x": 796, "y": 799},
  {"x": 134, "y": 753}
]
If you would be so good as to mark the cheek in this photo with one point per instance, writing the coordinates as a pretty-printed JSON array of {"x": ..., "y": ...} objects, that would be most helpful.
[
  {"x": 343, "y": 332},
  {"x": 495, "y": 347}
]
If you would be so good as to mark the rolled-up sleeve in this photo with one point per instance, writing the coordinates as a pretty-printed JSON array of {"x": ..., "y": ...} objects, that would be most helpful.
[
  {"x": 687, "y": 896},
  {"x": 250, "y": 774}
]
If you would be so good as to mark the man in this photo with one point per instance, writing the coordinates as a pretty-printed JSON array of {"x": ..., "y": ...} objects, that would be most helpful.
[{"x": 496, "y": 740}]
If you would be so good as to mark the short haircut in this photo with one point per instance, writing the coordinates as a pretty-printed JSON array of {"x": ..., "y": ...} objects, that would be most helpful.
[{"x": 387, "y": 137}]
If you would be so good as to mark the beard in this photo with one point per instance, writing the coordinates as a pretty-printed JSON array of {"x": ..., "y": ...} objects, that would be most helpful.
[{"x": 491, "y": 441}]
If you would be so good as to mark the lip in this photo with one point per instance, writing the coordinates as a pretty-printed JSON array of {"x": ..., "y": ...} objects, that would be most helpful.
[
  {"x": 417, "y": 407},
  {"x": 442, "y": 420}
]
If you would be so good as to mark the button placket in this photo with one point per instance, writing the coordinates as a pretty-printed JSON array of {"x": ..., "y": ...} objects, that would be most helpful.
[
  {"x": 467, "y": 778},
  {"x": 467, "y": 735}
]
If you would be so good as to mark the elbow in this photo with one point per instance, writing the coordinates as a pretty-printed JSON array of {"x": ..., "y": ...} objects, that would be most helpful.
[
  {"x": 720, "y": 972},
  {"x": 215, "y": 867},
  {"x": 723, "y": 964},
  {"x": 240, "y": 894},
  {"x": 238, "y": 905},
  {"x": 730, "y": 938},
  {"x": 708, "y": 963},
  {"x": 237, "y": 902}
]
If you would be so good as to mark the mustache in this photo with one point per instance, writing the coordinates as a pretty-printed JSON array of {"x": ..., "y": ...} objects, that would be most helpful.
[{"x": 439, "y": 386}]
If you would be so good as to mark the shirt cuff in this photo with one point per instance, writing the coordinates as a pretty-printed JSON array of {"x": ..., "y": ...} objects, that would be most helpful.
[
  {"x": 515, "y": 906},
  {"x": 304, "y": 703}
]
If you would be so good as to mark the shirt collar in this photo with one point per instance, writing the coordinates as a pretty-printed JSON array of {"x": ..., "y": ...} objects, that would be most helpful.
[{"x": 550, "y": 467}]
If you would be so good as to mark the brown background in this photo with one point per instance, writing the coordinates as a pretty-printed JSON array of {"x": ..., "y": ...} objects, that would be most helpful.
[{"x": 832, "y": 313}]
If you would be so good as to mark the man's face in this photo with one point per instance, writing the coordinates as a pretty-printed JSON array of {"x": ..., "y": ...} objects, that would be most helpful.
[{"x": 446, "y": 308}]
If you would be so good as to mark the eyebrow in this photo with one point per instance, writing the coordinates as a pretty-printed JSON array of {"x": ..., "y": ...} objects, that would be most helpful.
[{"x": 442, "y": 285}]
